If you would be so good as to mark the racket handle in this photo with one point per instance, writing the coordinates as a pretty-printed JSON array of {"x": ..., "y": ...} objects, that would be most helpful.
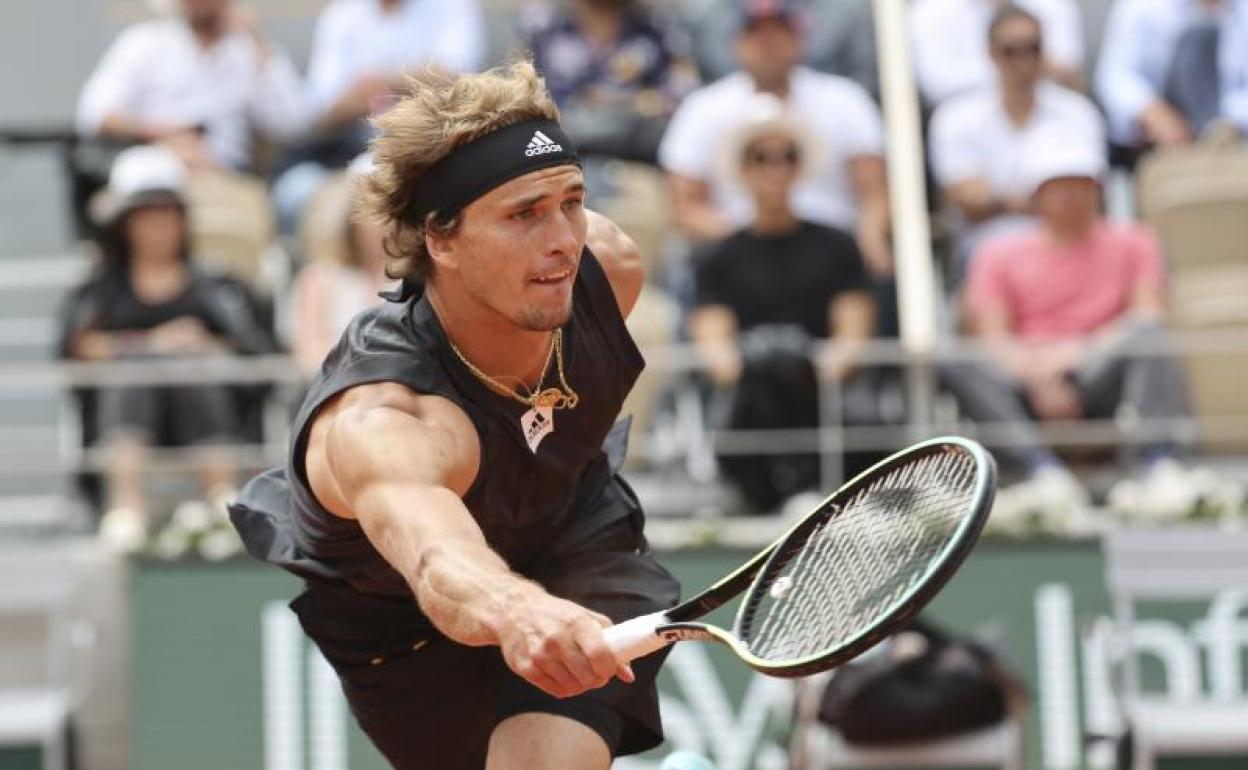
[{"x": 635, "y": 638}]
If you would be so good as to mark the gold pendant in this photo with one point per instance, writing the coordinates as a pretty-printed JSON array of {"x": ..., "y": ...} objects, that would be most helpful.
[{"x": 551, "y": 398}]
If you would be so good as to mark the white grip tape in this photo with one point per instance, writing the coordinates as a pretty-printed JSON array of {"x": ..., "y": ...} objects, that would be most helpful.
[{"x": 637, "y": 637}]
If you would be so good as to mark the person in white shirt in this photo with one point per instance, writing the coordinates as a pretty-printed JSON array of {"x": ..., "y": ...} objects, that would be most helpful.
[
  {"x": 949, "y": 42},
  {"x": 1170, "y": 67},
  {"x": 198, "y": 82},
  {"x": 978, "y": 139},
  {"x": 838, "y": 37},
  {"x": 362, "y": 53},
  {"x": 848, "y": 188},
  {"x": 362, "y": 49}
]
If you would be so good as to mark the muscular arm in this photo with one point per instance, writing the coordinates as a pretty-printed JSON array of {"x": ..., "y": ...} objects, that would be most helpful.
[
  {"x": 620, "y": 259},
  {"x": 398, "y": 463}
]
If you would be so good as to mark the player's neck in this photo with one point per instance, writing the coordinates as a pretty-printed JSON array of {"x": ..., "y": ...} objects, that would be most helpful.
[{"x": 491, "y": 342}]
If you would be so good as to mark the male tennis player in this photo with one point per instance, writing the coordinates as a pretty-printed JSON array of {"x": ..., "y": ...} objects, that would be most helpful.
[{"x": 447, "y": 497}]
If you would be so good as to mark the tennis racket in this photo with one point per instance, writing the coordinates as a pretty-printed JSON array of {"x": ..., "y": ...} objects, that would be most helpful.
[{"x": 848, "y": 574}]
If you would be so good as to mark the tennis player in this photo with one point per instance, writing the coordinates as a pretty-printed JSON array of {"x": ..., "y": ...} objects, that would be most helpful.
[{"x": 448, "y": 497}]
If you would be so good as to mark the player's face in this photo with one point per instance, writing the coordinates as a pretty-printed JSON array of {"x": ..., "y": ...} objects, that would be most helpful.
[{"x": 518, "y": 247}]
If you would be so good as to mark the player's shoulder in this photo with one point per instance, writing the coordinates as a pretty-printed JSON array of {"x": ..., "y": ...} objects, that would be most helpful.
[
  {"x": 385, "y": 430},
  {"x": 379, "y": 406},
  {"x": 607, "y": 240},
  {"x": 619, "y": 256}
]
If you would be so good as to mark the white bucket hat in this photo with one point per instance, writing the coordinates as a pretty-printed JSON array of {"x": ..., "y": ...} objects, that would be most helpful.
[
  {"x": 142, "y": 175},
  {"x": 767, "y": 115}
]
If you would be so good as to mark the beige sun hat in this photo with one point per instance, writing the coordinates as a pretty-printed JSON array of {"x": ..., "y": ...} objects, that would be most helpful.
[
  {"x": 767, "y": 115},
  {"x": 140, "y": 176}
]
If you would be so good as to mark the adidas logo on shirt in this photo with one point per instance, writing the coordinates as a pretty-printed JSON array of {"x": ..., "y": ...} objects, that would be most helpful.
[{"x": 541, "y": 144}]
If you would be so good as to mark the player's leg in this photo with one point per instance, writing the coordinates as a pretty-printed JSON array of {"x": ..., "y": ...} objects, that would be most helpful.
[{"x": 537, "y": 741}]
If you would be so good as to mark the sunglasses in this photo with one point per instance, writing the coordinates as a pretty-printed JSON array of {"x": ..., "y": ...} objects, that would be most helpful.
[
  {"x": 789, "y": 157},
  {"x": 1029, "y": 50}
]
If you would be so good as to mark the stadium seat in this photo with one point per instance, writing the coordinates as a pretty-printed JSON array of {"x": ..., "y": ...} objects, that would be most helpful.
[
  {"x": 1196, "y": 199},
  {"x": 37, "y": 712},
  {"x": 233, "y": 226},
  {"x": 1179, "y": 565},
  {"x": 819, "y": 747}
]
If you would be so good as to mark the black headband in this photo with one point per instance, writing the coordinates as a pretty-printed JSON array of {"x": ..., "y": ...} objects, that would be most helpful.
[{"x": 473, "y": 169}]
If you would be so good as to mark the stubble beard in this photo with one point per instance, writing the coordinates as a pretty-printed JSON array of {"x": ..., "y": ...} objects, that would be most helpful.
[{"x": 537, "y": 319}]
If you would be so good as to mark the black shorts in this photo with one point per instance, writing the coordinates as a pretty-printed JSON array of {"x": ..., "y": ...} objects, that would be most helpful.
[{"x": 427, "y": 702}]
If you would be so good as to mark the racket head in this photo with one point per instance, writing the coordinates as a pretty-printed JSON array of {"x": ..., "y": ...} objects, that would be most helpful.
[{"x": 866, "y": 559}]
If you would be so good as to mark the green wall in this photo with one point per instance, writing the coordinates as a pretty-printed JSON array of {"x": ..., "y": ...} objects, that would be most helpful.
[{"x": 198, "y": 692}]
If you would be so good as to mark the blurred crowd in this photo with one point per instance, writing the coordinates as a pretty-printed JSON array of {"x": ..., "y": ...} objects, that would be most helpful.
[{"x": 740, "y": 142}]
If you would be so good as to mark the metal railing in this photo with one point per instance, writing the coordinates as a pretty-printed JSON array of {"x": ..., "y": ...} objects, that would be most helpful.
[{"x": 831, "y": 439}]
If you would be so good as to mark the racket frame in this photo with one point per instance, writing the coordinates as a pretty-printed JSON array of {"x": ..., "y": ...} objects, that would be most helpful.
[{"x": 654, "y": 631}]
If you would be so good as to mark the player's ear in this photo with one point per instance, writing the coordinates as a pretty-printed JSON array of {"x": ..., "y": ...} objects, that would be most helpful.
[{"x": 442, "y": 251}]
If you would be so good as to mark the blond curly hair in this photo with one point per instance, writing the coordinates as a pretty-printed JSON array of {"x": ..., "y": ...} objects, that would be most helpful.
[{"x": 435, "y": 117}]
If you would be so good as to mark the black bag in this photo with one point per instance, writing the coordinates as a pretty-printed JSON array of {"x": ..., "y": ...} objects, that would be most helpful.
[
  {"x": 777, "y": 390},
  {"x": 950, "y": 687}
]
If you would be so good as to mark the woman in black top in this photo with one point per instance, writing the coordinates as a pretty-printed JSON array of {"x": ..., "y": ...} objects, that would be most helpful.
[{"x": 147, "y": 300}]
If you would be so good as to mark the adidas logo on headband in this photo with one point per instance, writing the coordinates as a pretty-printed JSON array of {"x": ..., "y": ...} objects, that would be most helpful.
[{"x": 541, "y": 144}]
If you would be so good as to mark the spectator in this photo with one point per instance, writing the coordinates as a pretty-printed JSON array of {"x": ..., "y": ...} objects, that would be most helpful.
[
  {"x": 198, "y": 82},
  {"x": 779, "y": 271},
  {"x": 362, "y": 51},
  {"x": 846, "y": 187},
  {"x": 977, "y": 138},
  {"x": 839, "y": 39},
  {"x": 1168, "y": 68},
  {"x": 616, "y": 70},
  {"x": 147, "y": 302},
  {"x": 950, "y": 43},
  {"x": 345, "y": 270},
  {"x": 1061, "y": 309}
]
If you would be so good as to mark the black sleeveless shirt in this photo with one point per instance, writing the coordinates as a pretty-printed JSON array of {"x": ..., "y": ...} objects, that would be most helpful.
[{"x": 525, "y": 501}]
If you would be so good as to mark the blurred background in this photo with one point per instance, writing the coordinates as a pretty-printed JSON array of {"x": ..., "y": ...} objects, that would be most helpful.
[{"x": 866, "y": 222}]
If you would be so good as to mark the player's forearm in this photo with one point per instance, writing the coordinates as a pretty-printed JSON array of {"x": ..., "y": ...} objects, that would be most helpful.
[
  {"x": 468, "y": 592},
  {"x": 460, "y": 583}
]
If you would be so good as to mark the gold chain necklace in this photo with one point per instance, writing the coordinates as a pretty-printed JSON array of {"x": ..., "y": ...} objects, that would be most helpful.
[{"x": 554, "y": 398}]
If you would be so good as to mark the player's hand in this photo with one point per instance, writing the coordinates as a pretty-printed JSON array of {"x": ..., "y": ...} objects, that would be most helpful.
[{"x": 558, "y": 646}]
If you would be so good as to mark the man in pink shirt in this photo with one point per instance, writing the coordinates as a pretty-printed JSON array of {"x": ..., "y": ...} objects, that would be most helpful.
[{"x": 1060, "y": 310}]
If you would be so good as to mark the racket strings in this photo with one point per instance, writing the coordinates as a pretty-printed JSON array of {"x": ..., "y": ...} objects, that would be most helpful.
[{"x": 860, "y": 560}]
